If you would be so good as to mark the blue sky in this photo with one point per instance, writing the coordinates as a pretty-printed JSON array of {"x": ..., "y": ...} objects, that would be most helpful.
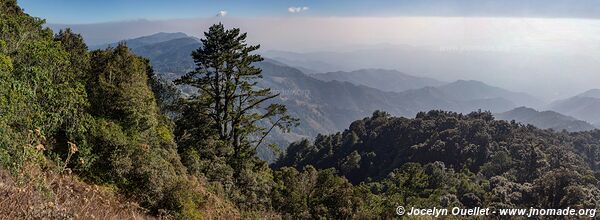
[{"x": 91, "y": 11}]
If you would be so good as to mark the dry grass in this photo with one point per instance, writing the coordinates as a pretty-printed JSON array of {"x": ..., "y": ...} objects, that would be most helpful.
[
  {"x": 215, "y": 206},
  {"x": 50, "y": 195}
]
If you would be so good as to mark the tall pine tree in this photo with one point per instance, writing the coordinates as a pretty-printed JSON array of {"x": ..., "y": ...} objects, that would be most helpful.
[
  {"x": 229, "y": 96},
  {"x": 222, "y": 126}
]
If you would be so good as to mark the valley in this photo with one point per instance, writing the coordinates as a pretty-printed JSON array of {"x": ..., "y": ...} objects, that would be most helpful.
[{"x": 328, "y": 102}]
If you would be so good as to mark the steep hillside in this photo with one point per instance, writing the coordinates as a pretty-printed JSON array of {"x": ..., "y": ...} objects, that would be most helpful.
[
  {"x": 72, "y": 199},
  {"x": 377, "y": 145},
  {"x": 471, "y": 159},
  {"x": 329, "y": 105},
  {"x": 66, "y": 196},
  {"x": 81, "y": 134},
  {"x": 325, "y": 107},
  {"x": 545, "y": 119},
  {"x": 386, "y": 80}
]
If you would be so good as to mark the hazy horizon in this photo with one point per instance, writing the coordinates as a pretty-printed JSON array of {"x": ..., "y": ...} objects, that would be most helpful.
[
  {"x": 550, "y": 49},
  {"x": 518, "y": 52}
]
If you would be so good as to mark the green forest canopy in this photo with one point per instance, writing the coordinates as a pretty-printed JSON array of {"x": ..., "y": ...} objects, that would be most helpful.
[{"x": 101, "y": 114}]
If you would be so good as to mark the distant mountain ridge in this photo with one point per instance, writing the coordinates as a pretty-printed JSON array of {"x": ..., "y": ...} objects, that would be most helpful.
[
  {"x": 145, "y": 40},
  {"x": 168, "y": 52},
  {"x": 382, "y": 79},
  {"x": 330, "y": 106},
  {"x": 592, "y": 93},
  {"x": 502, "y": 67},
  {"x": 472, "y": 89},
  {"x": 545, "y": 119},
  {"x": 334, "y": 104},
  {"x": 172, "y": 55},
  {"x": 585, "y": 106},
  {"x": 460, "y": 90}
]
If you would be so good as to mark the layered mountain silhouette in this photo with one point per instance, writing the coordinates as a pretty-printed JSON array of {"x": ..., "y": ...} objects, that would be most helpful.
[
  {"x": 332, "y": 105},
  {"x": 585, "y": 106},
  {"x": 386, "y": 80},
  {"x": 146, "y": 40},
  {"x": 545, "y": 119},
  {"x": 168, "y": 52},
  {"x": 474, "y": 90},
  {"x": 329, "y": 102}
]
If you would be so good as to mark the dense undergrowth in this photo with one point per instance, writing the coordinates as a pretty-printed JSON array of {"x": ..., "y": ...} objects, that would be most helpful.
[{"x": 94, "y": 114}]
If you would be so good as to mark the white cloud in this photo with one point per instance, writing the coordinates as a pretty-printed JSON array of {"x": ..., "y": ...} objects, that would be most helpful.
[
  {"x": 297, "y": 9},
  {"x": 222, "y": 14}
]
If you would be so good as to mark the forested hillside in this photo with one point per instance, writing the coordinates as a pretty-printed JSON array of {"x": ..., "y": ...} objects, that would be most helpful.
[
  {"x": 331, "y": 104},
  {"x": 65, "y": 111},
  {"x": 440, "y": 158}
]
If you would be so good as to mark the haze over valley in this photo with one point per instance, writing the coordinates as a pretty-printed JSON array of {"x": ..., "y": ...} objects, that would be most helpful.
[
  {"x": 564, "y": 52},
  {"x": 327, "y": 102}
]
